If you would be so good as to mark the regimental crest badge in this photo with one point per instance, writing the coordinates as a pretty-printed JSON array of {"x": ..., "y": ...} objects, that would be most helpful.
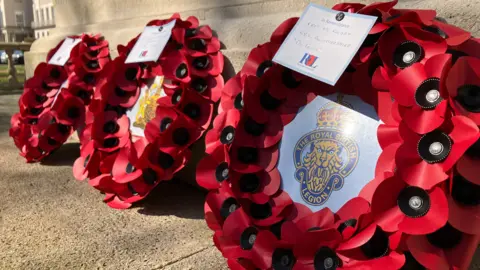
[
  {"x": 148, "y": 102},
  {"x": 325, "y": 156}
]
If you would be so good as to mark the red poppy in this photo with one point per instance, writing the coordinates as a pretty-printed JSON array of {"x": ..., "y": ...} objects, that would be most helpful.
[
  {"x": 68, "y": 109},
  {"x": 239, "y": 235},
  {"x": 126, "y": 76},
  {"x": 412, "y": 210},
  {"x": 320, "y": 220},
  {"x": 232, "y": 96},
  {"x": 293, "y": 87},
  {"x": 347, "y": 218},
  {"x": 197, "y": 42},
  {"x": 109, "y": 124},
  {"x": 371, "y": 248},
  {"x": 213, "y": 169},
  {"x": 407, "y": 44},
  {"x": 117, "y": 96},
  {"x": 415, "y": 16},
  {"x": 127, "y": 166},
  {"x": 80, "y": 89},
  {"x": 262, "y": 103},
  {"x": 82, "y": 77},
  {"x": 176, "y": 135},
  {"x": 317, "y": 249},
  {"x": 250, "y": 159},
  {"x": 224, "y": 130},
  {"x": 257, "y": 187},
  {"x": 467, "y": 48},
  {"x": 423, "y": 161},
  {"x": 191, "y": 104},
  {"x": 260, "y": 59},
  {"x": 93, "y": 47},
  {"x": 270, "y": 253},
  {"x": 91, "y": 65},
  {"x": 210, "y": 64},
  {"x": 453, "y": 35},
  {"x": 219, "y": 204},
  {"x": 444, "y": 249},
  {"x": 258, "y": 134},
  {"x": 381, "y": 11},
  {"x": 463, "y": 201},
  {"x": 420, "y": 89},
  {"x": 270, "y": 212},
  {"x": 175, "y": 66},
  {"x": 120, "y": 196},
  {"x": 292, "y": 213},
  {"x": 209, "y": 87},
  {"x": 89, "y": 160},
  {"x": 165, "y": 164},
  {"x": 463, "y": 85}
]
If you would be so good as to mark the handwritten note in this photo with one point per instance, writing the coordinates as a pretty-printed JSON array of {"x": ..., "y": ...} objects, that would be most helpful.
[
  {"x": 151, "y": 43},
  {"x": 62, "y": 55},
  {"x": 323, "y": 42}
]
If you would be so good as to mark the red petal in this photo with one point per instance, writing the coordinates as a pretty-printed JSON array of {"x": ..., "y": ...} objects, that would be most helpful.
[
  {"x": 406, "y": 82},
  {"x": 423, "y": 121},
  {"x": 426, "y": 254}
]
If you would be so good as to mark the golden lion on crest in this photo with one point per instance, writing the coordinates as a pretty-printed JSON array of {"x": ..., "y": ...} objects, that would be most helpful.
[{"x": 321, "y": 163}]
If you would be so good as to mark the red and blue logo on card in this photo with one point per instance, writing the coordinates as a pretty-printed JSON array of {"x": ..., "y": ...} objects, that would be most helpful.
[
  {"x": 309, "y": 60},
  {"x": 143, "y": 53}
]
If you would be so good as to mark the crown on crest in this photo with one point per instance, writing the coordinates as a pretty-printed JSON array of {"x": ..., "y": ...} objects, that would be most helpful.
[{"x": 335, "y": 115}]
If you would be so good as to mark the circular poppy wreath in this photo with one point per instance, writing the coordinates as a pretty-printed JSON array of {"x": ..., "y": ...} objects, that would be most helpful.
[
  {"x": 53, "y": 102},
  {"x": 422, "y": 76},
  {"x": 126, "y": 167}
]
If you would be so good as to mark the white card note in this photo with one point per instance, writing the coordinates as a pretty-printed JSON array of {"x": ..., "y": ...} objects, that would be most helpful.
[
  {"x": 62, "y": 55},
  {"x": 323, "y": 42},
  {"x": 151, "y": 43}
]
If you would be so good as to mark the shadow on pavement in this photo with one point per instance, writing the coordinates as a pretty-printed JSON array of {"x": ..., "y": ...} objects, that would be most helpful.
[
  {"x": 64, "y": 156},
  {"x": 174, "y": 198}
]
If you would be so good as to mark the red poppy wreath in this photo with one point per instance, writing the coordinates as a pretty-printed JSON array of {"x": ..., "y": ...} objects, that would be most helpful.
[
  {"x": 53, "y": 102},
  {"x": 418, "y": 79},
  {"x": 147, "y": 115}
]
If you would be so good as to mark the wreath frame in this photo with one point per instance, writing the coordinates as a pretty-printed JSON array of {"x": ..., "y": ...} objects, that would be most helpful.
[
  {"x": 53, "y": 104},
  {"x": 257, "y": 226},
  {"x": 126, "y": 167}
]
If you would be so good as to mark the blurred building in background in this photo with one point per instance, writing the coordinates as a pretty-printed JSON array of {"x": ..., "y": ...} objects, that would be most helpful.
[
  {"x": 43, "y": 18},
  {"x": 16, "y": 17}
]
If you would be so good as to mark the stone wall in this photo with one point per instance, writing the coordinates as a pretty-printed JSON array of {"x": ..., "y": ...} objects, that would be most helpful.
[{"x": 240, "y": 24}]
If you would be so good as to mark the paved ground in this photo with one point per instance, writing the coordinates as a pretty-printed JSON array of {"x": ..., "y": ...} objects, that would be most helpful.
[{"x": 48, "y": 220}]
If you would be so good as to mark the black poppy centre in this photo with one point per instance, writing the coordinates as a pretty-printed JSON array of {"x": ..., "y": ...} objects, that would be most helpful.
[
  {"x": 377, "y": 246},
  {"x": 248, "y": 237},
  {"x": 434, "y": 147},
  {"x": 263, "y": 67},
  {"x": 407, "y": 54},
  {"x": 227, "y": 135},
  {"x": 326, "y": 259},
  {"x": 249, "y": 183},
  {"x": 283, "y": 259},
  {"x": 228, "y": 207},
  {"x": 413, "y": 202},
  {"x": 427, "y": 94}
]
